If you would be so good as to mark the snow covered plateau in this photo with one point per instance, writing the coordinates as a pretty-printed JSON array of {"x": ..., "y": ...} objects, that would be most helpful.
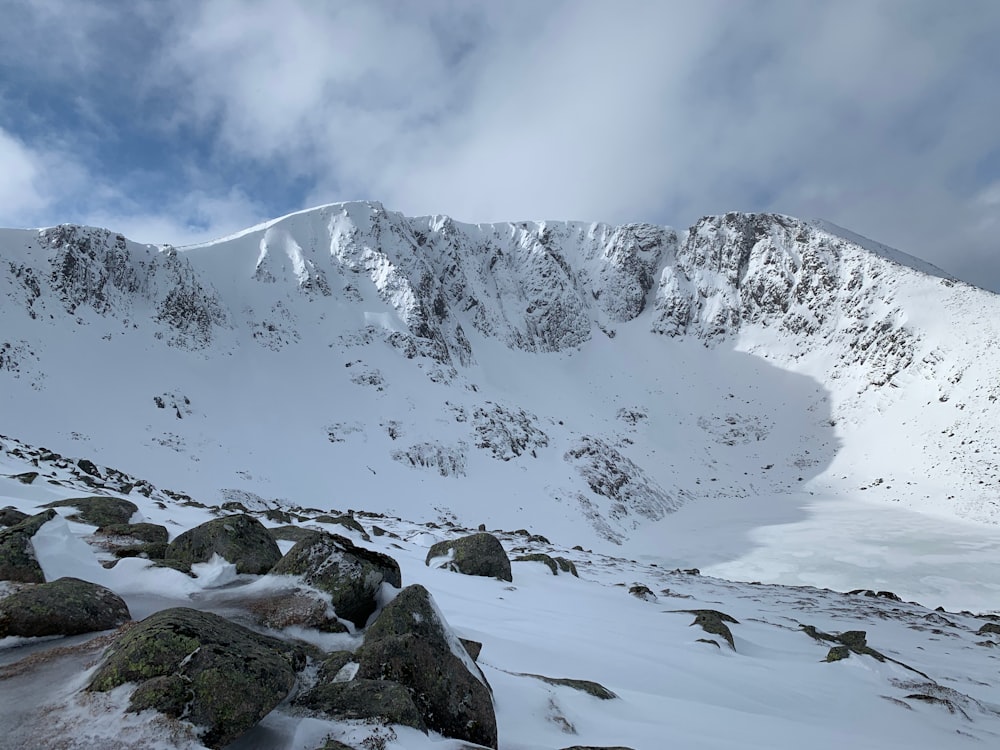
[{"x": 790, "y": 408}]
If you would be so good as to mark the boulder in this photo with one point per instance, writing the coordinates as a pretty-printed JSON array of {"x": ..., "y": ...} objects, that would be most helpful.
[
  {"x": 351, "y": 575},
  {"x": 218, "y": 675},
  {"x": 590, "y": 687},
  {"x": 241, "y": 539},
  {"x": 17, "y": 555},
  {"x": 566, "y": 566},
  {"x": 410, "y": 643},
  {"x": 555, "y": 564},
  {"x": 98, "y": 510},
  {"x": 143, "y": 532},
  {"x": 348, "y": 522},
  {"x": 147, "y": 540},
  {"x": 479, "y": 554},
  {"x": 291, "y": 533},
  {"x": 300, "y": 608},
  {"x": 67, "y": 606},
  {"x": 27, "y": 477},
  {"x": 11, "y": 516},
  {"x": 380, "y": 700}
]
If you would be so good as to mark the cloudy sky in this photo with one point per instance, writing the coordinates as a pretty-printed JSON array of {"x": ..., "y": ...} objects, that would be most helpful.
[{"x": 177, "y": 121}]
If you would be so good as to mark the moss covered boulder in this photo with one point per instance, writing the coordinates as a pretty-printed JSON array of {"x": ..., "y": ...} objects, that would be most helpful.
[
  {"x": 241, "y": 539},
  {"x": 410, "y": 643},
  {"x": 67, "y": 606},
  {"x": 366, "y": 700},
  {"x": 17, "y": 555},
  {"x": 291, "y": 533},
  {"x": 201, "y": 667},
  {"x": 351, "y": 575},
  {"x": 474, "y": 555},
  {"x": 133, "y": 539},
  {"x": 98, "y": 510},
  {"x": 11, "y": 516}
]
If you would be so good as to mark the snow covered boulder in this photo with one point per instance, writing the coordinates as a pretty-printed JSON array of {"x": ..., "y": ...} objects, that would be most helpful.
[
  {"x": 475, "y": 555},
  {"x": 351, "y": 575},
  {"x": 555, "y": 564},
  {"x": 67, "y": 606},
  {"x": 410, "y": 643},
  {"x": 203, "y": 668},
  {"x": 17, "y": 556},
  {"x": 241, "y": 539},
  {"x": 98, "y": 510}
]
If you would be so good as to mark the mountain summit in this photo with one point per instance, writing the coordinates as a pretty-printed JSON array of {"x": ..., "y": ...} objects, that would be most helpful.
[{"x": 587, "y": 378}]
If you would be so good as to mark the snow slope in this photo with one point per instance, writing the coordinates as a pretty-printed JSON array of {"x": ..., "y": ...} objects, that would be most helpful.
[
  {"x": 676, "y": 685},
  {"x": 757, "y": 397}
]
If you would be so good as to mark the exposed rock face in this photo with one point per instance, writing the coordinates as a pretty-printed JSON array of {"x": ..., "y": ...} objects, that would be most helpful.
[
  {"x": 410, "y": 643},
  {"x": 351, "y": 575},
  {"x": 476, "y": 555},
  {"x": 67, "y": 606},
  {"x": 798, "y": 277},
  {"x": 240, "y": 539},
  {"x": 630, "y": 493},
  {"x": 218, "y": 675},
  {"x": 99, "y": 510},
  {"x": 17, "y": 556}
]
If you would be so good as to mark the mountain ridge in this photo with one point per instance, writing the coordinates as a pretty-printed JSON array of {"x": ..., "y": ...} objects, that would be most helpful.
[{"x": 423, "y": 357}]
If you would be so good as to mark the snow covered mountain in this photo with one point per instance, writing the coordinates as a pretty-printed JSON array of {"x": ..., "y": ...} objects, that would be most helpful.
[{"x": 608, "y": 386}]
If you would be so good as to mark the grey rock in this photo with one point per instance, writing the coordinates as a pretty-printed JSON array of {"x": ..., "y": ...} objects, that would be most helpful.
[
  {"x": 291, "y": 533},
  {"x": 17, "y": 555},
  {"x": 218, "y": 675},
  {"x": 11, "y": 516},
  {"x": 411, "y": 644},
  {"x": 479, "y": 554},
  {"x": 351, "y": 575},
  {"x": 363, "y": 699},
  {"x": 98, "y": 510},
  {"x": 240, "y": 539},
  {"x": 67, "y": 606}
]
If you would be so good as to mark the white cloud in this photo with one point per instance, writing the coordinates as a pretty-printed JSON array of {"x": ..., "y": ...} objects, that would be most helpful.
[
  {"x": 879, "y": 116},
  {"x": 20, "y": 180}
]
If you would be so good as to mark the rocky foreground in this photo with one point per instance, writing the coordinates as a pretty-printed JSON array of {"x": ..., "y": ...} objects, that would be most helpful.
[{"x": 188, "y": 625}]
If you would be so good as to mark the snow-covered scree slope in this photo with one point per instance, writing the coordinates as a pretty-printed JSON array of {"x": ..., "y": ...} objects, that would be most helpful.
[
  {"x": 689, "y": 397},
  {"x": 915, "y": 678}
]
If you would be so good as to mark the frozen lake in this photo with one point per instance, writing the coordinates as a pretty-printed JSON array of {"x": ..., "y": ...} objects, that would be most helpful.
[{"x": 836, "y": 543}]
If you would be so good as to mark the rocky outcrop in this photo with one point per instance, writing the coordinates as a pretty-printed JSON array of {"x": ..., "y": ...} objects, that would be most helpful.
[
  {"x": 240, "y": 539},
  {"x": 410, "y": 643},
  {"x": 98, "y": 510},
  {"x": 351, "y": 575},
  {"x": 67, "y": 606},
  {"x": 215, "y": 674},
  {"x": 618, "y": 483},
  {"x": 17, "y": 555},
  {"x": 475, "y": 555}
]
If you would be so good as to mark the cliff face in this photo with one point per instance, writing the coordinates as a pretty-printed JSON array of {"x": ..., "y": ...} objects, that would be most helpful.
[{"x": 509, "y": 353}]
